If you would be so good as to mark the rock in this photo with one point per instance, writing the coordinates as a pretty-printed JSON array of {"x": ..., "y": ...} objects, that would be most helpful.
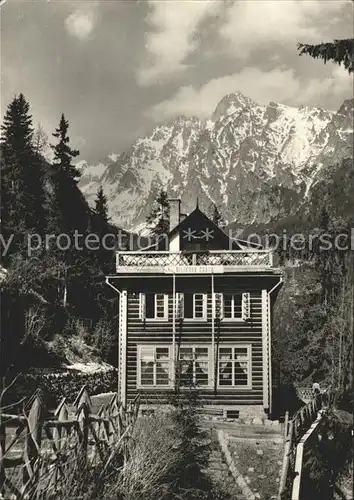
[
  {"x": 259, "y": 452},
  {"x": 257, "y": 495},
  {"x": 247, "y": 479},
  {"x": 277, "y": 480},
  {"x": 257, "y": 421},
  {"x": 277, "y": 440},
  {"x": 251, "y": 469}
]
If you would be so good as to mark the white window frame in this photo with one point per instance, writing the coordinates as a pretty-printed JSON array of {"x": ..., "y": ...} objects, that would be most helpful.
[
  {"x": 210, "y": 368},
  {"x": 142, "y": 308},
  {"x": 245, "y": 308},
  {"x": 233, "y": 359},
  {"x": 140, "y": 347},
  {"x": 205, "y": 307}
]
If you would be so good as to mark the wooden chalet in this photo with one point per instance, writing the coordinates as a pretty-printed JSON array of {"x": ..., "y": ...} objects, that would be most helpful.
[{"x": 195, "y": 311}]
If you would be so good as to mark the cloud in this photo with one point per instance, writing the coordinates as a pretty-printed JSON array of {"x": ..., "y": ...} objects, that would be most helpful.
[
  {"x": 174, "y": 37},
  {"x": 80, "y": 23},
  {"x": 251, "y": 25},
  {"x": 244, "y": 26},
  {"x": 279, "y": 85}
]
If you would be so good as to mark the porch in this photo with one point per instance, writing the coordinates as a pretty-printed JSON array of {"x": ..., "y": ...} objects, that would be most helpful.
[{"x": 212, "y": 261}]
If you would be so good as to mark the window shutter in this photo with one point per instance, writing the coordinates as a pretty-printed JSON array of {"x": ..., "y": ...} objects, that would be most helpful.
[
  {"x": 218, "y": 305},
  {"x": 165, "y": 307},
  {"x": 179, "y": 305},
  {"x": 246, "y": 306},
  {"x": 142, "y": 306}
]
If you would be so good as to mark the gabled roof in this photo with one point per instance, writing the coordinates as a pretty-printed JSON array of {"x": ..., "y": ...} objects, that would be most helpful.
[{"x": 197, "y": 214}]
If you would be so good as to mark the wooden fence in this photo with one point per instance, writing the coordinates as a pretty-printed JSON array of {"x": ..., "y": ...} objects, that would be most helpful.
[
  {"x": 295, "y": 429},
  {"x": 37, "y": 446}
]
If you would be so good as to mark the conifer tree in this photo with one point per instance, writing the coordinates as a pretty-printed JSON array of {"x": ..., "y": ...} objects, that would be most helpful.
[
  {"x": 69, "y": 217},
  {"x": 159, "y": 218},
  {"x": 22, "y": 176},
  {"x": 101, "y": 226},
  {"x": 216, "y": 216},
  {"x": 338, "y": 51},
  {"x": 63, "y": 154},
  {"x": 67, "y": 206},
  {"x": 101, "y": 207}
]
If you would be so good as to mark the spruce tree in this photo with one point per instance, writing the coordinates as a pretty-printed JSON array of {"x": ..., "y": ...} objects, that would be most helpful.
[
  {"x": 67, "y": 207},
  {"x": 159, "y": 218},
  {"x": 68, "y": 216},
  {"x": 22, "y": 176},
  {"x": 216, "y": 216},
  {"x": 101, "y": 226},
  {"x": 101, "y": 207},
  {"x": 338, "y": 51},
  {"x": 63, "y": 154}
]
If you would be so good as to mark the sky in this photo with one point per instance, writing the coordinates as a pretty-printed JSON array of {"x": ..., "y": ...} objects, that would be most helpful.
[{"x": 118, "y": 68}]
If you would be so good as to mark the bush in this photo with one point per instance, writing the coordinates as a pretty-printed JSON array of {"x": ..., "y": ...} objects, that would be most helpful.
[
  {"x": 104, "y": 339},
  {"x": 55, "y": 386}
]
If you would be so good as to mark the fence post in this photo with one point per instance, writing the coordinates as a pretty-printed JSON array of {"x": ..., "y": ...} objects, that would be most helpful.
[
  {"x": 2, "y": 453},
  {"x": 32, "y": 441},
  {"x": 59, "y": 432},
  {"x": 286, "y": 460},
  {"x": 83, "y": 408}
]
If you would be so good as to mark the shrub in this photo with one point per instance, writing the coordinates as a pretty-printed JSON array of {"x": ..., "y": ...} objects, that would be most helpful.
[{"x": 104, "y": 339}]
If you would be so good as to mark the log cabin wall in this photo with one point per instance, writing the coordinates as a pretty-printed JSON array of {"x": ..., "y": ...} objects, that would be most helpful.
[{"x": 199, "y": 333}]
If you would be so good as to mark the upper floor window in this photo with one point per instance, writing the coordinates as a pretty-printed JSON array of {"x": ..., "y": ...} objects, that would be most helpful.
[
  {"x": 191, "y": 306},
  {"x": 153, "y": 306},
  {"x": 232, "y": 306}
]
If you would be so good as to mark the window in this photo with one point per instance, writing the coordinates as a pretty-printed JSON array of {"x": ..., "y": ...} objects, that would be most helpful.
[
  {"x": 232, "y": 306},
  {"x": 154, "y": 366},
  {"x": 194, "y": 363},
  {"x": 194, "y": 306},
  {"x": 153, "y": 306},
  {"x": 234, "y": 366}
]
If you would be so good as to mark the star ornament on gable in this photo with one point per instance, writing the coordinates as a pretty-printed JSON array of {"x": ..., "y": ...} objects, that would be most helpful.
[
  {"x": 190, "y": 234},
  {"x": 207, "y": 234}
]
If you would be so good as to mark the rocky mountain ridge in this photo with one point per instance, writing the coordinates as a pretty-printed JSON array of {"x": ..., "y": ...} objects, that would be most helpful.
[{"x": 255, "y": 162}]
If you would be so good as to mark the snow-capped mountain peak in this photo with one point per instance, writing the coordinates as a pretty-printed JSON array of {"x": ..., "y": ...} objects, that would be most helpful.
[{"x": 251, "y": 160}]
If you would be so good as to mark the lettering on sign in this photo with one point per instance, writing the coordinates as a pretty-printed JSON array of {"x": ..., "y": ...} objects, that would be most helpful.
[{"x": 194, "y": 269}]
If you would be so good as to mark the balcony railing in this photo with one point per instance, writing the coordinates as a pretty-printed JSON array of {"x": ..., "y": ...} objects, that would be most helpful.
[{"x": 213, "y": 259}]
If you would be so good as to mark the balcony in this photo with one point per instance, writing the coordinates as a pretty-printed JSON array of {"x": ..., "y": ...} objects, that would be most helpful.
[{"x": 213, "y": 261}]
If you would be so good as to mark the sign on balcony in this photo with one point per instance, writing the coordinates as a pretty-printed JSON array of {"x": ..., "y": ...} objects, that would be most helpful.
[{"x": 193, "y": 269}]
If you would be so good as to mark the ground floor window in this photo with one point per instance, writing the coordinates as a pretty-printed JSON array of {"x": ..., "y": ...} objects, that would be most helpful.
[
  {"x": 194, "y": 366},
  {"x": 154, "y": 366},
  {"x": 234, "y": 366}
]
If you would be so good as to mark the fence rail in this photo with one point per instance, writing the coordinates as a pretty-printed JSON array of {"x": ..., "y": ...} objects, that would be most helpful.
[
  {"x": 295, "y": 429},
  {"x": 39, "y": 444}
]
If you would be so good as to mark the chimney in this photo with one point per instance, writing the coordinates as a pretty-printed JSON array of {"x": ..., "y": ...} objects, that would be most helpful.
[{"x": 175, "y": 206}]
